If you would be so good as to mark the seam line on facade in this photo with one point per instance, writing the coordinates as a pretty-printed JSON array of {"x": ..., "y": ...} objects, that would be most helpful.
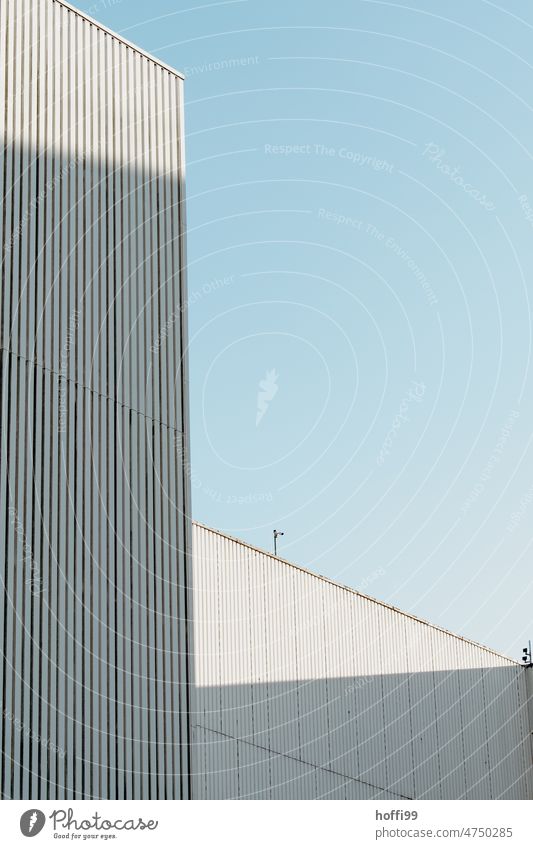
[
  {"x": 306, "y": 763},
  {"x": 89, "y": 389}
]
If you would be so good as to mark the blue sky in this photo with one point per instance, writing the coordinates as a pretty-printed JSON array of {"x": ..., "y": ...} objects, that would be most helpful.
[{"x": 360, "y": 211}]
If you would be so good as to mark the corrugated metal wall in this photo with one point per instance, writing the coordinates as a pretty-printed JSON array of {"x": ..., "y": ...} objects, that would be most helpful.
[
  {"x": 306, "y": 689},
  {"x": 93, "y": 434}
]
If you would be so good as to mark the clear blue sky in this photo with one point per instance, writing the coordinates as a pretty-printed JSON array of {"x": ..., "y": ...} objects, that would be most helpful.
[{"x": 360, "y": 183}]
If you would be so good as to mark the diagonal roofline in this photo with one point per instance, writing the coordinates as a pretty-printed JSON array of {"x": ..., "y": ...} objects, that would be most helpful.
[
  {"x": 120, "y": 38},
  {"x": 357, "y": 592}
]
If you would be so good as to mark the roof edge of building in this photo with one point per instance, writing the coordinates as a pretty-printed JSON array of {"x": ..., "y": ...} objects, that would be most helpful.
[
  {"x": 356, "y": 592},
  {"x": 120, "y": 38}
]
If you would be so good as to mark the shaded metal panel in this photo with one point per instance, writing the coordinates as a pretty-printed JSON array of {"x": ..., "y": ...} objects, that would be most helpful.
[
  {"x": 506, "y": 757},
  {"x": 396, "y": 704},
  {"x": 114, "y": 137},
  {"x": 305, "y": 689},
  {"x": 524, "y": 724},
  {"x": 369, "y": 696},
  {"x": 342, "y": 685},
  {"x": 95, "y": 534},
  {"x": 311, "y": 670},
  {"x": 449, "y": 719},
  {"x": 473, "y": 710}
]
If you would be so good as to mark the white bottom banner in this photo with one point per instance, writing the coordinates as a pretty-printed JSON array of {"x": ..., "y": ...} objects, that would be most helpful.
[{"x": 299, "y": 825}]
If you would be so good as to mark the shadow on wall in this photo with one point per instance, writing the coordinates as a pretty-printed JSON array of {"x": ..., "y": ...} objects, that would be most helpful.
[
  {"x": 93, "y": 480},
  {"x": 453, "y": 734}
]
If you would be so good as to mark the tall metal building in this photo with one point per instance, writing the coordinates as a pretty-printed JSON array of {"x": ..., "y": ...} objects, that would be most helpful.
[
  {"x": 306, "y": 689},
  {"x": 94, "y": 646},
  {"x": 302, "y": 688}
]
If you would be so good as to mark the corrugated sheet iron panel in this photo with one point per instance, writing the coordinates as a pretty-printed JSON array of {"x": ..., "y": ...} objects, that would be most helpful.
[
  {"x": 93, "y": 437},
  {"x": 340, "y": 696},
  {"x": 447, "y": 681},
  {"x": 92, "y": 195}
]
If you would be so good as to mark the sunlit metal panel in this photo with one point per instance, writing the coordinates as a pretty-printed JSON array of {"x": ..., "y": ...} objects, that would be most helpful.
[
  {"x": 94, "y": 438},
  {"x": 307, "y": 689}
]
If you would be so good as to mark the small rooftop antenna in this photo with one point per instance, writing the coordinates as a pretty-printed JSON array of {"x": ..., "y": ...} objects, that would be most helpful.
[{"x": 276, "y": 535}]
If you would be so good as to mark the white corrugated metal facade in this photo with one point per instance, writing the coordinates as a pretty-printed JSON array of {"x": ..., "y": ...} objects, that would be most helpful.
[
  {"x": 94, "y": 534},
  {"x": 307, "y": 689}
]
